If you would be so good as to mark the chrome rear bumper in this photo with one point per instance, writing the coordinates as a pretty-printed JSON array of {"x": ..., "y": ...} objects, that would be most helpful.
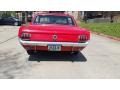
[{"x": 41, "y": 43}]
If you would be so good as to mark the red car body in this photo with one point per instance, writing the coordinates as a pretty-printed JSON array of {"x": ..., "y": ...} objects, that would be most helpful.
[{"x": 58, "y": 36}]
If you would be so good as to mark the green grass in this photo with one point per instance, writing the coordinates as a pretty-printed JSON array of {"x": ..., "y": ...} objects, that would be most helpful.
[{"x": 111, "y": 29}]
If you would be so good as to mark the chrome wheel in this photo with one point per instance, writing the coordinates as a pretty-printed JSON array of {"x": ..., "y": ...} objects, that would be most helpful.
[{"x": 16, "y": 24}]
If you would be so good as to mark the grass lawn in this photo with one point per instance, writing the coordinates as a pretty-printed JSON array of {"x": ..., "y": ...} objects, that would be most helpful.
[{"x": 112, "y": 29}]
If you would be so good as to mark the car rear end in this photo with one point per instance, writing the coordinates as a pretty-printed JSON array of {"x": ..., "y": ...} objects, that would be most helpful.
[
  {"x": 53, "y": 37},
  {"x": 46, "y": 41}
]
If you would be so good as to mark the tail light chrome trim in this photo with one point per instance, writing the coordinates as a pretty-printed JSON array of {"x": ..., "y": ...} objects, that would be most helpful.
[
  {"x": 25, "y": 36},
  {"x": 82, "y": 38}
]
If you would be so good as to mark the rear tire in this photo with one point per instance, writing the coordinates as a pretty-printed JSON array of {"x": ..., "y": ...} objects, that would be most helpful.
[
  {"x": 30, "y": 52},
  {"x": 76, "y": 52},
  {"x": 16, "y": 23}
]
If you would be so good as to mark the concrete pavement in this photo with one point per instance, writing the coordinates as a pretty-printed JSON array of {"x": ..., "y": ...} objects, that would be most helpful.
[{"x": 100, "y": 59}]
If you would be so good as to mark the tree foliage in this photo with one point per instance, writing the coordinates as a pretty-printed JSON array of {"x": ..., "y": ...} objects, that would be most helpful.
[{"x": 7, "y": 13}]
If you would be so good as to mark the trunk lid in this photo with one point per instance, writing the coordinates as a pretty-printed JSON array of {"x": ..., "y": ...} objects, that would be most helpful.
[{"x": 58, "y": 33}]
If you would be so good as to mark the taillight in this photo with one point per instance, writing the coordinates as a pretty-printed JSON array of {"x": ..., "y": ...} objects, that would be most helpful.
[
  {"x": 25, "y": 36},
  {"x": 82, "y": 38}
]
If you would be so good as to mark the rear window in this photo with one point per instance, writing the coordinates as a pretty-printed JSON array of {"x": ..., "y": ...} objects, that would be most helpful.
[{"x": 49, "y": 19}]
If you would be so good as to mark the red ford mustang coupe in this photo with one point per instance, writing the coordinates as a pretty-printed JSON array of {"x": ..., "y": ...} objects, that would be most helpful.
[{"x": 53, "y": 32}]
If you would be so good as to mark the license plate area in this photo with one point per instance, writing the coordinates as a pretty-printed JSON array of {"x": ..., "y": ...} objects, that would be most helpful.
[{"x": 54, "y": 47}]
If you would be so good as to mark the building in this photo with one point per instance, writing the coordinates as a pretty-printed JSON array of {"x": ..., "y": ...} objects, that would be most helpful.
[{"x": 100, "y": 16}]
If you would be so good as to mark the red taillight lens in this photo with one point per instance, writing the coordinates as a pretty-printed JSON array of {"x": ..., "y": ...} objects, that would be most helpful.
[
  {"x": 25, "y": 36},
  {"x": 82, "y": 38}
]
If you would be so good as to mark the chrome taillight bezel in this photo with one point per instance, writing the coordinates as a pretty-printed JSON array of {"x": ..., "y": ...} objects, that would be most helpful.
[
  {"x": 25, "y": 36},
  {"x": 82, "y": 38}
]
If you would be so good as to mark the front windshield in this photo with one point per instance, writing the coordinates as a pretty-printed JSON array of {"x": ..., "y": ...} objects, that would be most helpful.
[{"x": 50, "y": 19}]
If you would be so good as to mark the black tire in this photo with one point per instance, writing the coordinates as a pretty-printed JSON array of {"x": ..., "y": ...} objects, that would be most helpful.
[
  {"x": 30, "y": 52},
  {"x": 76, "y": 52},
  {"x": 16, "y": 24}
]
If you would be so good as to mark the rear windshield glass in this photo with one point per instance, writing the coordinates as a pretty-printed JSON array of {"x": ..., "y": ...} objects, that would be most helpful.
[{"x": 49, "y": 19}]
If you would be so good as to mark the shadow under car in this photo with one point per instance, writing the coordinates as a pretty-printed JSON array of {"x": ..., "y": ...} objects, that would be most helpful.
[{"x": 57, "y": 56}]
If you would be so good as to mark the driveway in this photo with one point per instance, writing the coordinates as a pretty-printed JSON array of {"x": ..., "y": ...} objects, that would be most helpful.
[{"x": 100, "y": 59}]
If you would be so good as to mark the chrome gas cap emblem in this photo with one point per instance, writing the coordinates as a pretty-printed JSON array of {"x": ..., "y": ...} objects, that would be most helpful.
[{"x": 55, "y": 37}]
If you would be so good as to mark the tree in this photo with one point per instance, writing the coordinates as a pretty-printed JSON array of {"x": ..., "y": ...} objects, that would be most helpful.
[
  {"x": 7, "y": 13},
  {"x": 85, "y": 16}
]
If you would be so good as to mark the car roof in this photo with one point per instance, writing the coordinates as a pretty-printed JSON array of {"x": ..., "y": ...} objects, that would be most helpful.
[{"x": 56, "y": 14}]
